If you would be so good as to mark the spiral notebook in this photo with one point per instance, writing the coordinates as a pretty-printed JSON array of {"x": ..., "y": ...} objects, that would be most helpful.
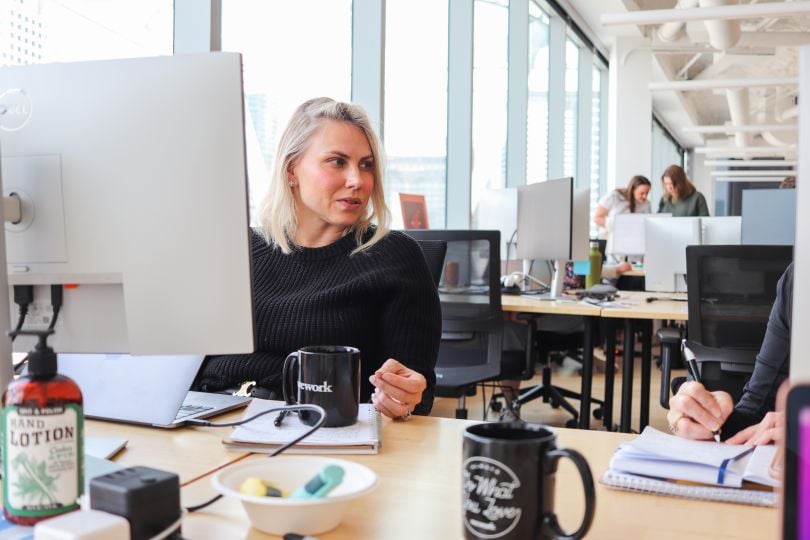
[
  {"x": 261, "y": 435},
  {"x": 643, "y": 484}
]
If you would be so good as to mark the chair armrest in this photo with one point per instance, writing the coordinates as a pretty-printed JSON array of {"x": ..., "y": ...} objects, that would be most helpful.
[{"x": 670, "y": 339}]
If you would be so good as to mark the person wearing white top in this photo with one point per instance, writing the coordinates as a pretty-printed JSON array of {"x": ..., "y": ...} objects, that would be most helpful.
[{"x": 629, "y": 200}]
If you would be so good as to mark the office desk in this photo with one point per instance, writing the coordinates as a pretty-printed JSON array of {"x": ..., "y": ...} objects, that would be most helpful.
[
  {"x": 637, "y": 314},
  {"x": 189, "y": 452},
  {"x": 590, "y": 315},
  {"x": 419, "y": 496}
]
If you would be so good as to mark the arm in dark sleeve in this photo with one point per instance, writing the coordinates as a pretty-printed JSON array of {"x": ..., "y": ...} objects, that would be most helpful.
[
  {"x": 772, "y": 364},
  {"x": 227, "y": 371},
  {"x": 411, "y": 322},
  {"x": 702, "y": 207}
]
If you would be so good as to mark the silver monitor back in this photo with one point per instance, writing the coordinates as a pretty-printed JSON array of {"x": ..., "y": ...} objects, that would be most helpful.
[
  {"x": 720, "y": 230},
  {"x": 666, "y": 239},
  {"x": 133, "y": 181},
  {"x": 553, "y": 221}
]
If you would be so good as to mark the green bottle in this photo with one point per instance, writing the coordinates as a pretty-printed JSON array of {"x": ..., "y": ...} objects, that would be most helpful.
[{"x": 594, "y": 276}]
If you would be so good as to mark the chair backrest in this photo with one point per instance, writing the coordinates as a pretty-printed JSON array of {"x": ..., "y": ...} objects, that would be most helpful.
[
  {"x": 472, "y": 319},
  {"x": 434, "y": 252},
  {"x": 731, "y": 293}
]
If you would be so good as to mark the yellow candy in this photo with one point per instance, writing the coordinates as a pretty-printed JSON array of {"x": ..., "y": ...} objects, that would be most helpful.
[
  {"x": 258, "y": 488},
  {"x": 253, "y": 486}
]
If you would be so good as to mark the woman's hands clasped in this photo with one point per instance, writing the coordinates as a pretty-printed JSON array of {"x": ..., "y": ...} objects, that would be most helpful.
[{"x": 398, "y": 389}]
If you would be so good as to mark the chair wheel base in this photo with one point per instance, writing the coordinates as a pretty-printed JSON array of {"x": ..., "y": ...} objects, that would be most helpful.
[
  {"x": 461, "y": 414},
  {"x": 598, "y": 413},
  {"x": 573, "y": 423},
  {"x": 496, "y": 406}
]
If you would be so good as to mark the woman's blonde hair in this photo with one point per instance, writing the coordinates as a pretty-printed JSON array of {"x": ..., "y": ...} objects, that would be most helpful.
[{"x": 277, "y": 218}]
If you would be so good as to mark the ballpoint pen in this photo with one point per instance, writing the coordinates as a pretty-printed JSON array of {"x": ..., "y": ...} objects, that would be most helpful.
[
  {"x": 692, "y": 367},
  {"x": 280, "y": 418}
]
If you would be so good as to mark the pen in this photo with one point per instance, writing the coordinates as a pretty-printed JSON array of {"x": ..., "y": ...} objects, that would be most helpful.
[
  {"x": 692, "y": 367},
  {"x": 280, "y": 418}
]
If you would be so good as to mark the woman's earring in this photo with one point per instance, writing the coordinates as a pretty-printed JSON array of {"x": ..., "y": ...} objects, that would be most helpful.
[{"x": 291, "y": 183}]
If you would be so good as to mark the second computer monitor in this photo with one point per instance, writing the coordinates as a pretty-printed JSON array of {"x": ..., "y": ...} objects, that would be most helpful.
[
  {"x": 628, "y": 234},
  {"x": 665, "y": 260}
]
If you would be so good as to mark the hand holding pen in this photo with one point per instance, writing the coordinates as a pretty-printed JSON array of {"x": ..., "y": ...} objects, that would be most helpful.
[{"x": 694, "y": 412}]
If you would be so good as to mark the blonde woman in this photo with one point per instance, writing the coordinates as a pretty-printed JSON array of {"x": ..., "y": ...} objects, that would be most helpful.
[{"x": 328, "y": 271}]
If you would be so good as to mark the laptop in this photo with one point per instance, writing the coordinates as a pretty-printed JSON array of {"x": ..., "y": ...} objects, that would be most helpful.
[{"x": 151, "y": 390}]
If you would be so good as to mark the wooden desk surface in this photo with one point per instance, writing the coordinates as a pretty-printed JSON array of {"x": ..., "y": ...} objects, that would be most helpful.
[
  {"x": 639, "y": 308},
  {"x": 187, "y": 451},
  {"x": 522, "y": 304},
  {"x": 419, "y": 496}
]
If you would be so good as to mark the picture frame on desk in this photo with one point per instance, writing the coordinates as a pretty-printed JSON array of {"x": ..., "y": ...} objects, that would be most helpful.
[{"x": 414, "y": 211}]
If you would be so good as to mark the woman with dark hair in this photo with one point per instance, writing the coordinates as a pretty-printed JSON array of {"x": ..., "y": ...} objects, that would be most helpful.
[
  {"x": 681, "y": 198},
  {"x": 632, "y": 199}
]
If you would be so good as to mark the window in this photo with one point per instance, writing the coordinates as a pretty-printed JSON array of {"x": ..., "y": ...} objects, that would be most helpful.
[
  {"x": 285, "y": 63},
  {"x": 537, "y": 117},
  {"x": 490, "y": 88},
  {"x": 72, "y": 30},
  {"x": 571, "y": 108},
  {"x": 415, "y": 132}
]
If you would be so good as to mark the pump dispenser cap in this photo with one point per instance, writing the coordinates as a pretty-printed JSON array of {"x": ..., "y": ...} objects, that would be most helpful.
[{"x": 42, "y": 359}]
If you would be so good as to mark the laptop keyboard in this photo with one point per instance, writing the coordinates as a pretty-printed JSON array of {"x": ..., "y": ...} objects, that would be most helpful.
[{"x": 188, "y": 410}]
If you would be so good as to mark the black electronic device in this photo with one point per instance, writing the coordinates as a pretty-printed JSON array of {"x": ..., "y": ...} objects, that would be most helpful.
[
  {"x": 148, "y": 498},
  {"x": 796, "y": 492}
]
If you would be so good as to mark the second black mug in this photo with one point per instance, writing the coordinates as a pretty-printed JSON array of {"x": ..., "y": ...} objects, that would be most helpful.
[{"x": 324, "y": 375}]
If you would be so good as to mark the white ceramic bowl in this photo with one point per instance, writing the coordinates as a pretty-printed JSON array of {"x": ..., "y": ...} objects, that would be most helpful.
[{"x": 277, "y": 515}]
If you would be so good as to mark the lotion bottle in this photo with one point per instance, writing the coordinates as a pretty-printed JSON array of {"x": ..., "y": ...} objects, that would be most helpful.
[{"x": 42, "y": 428}]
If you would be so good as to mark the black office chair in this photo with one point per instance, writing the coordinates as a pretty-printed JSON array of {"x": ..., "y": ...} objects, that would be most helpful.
[
  {"x": 472, "y": 319},
  {"x": 434, "y": 252},
  {"x": 731, "y": 293}
]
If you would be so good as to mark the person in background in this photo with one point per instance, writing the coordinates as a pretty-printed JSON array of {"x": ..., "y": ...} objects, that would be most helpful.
[
  {"x": 328, "y": 271},
  {"x": 681, "y": 198},
  {"x": 788, "y": 182},
  {"x": 632, "y": 200},
  {"x": 694, "y": 412}
]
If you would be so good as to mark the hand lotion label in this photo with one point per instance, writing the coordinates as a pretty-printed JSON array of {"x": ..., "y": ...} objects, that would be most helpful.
[{"x": 42, "y": 459}]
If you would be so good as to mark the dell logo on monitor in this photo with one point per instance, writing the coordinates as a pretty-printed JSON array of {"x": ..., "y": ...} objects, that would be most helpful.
[{"x": 15, "y": 109}]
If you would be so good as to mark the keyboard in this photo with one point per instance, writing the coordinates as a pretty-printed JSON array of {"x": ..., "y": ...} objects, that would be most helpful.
[{"x": 188, "y": 410}]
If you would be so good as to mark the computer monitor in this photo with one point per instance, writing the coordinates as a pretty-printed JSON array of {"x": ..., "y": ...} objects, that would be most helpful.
[
  {"x": 665, "y": 247},
  {"x": 769, "y": 217},
  {"x": 720, "y": 231},
  {"x": 553, "y": 225},
  {"x": 497, "y": 209},
  {"x": 133, "y": 183},
  {"x": 628, "y": 234}
]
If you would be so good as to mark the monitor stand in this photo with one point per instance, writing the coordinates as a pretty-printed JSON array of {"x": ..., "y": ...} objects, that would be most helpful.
[{"x": 557, "y": 279}]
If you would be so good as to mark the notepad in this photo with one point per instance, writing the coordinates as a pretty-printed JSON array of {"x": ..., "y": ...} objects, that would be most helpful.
[
  {"x": 260, "y": 435},
  {"x": 659, "y": 455},
  {"x": 641, "y": 484}
]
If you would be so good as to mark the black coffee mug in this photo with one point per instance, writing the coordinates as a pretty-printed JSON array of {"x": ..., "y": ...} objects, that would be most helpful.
[
  {"x": 508, "y": 482},
  {"x": 325, "y": 375}
]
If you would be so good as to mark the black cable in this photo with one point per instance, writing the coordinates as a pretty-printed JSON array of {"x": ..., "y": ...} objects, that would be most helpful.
[
  {"x": 56, "y": 304},
  {"x": 288, "y": 408},
  {"x": 23, "y": 297}
]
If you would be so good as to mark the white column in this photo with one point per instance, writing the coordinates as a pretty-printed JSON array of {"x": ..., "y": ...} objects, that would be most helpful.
[
  {"x": 556, "y": 97},
  {"x": 518, "y": 102},
  {"x": 584, "y": 119},
  {"x": 629, "y": 130},
  {"x": 197, "y": 26},
  {"x": 368, "y": 58},
  {"x": 800, "y": 340},
  {"x": 459, "y": 113}
]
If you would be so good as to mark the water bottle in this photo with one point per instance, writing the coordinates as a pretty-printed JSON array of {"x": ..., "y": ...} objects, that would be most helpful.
[{"x": 595, "y": 273}]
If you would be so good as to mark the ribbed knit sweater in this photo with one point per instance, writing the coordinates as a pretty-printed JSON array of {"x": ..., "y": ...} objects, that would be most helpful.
[{"x": 382, "y": 301}]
